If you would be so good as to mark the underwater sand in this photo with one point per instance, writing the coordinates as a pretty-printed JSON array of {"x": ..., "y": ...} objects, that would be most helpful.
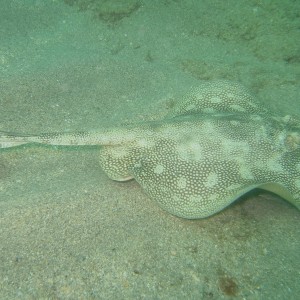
[{"x": 69, "y": 232}]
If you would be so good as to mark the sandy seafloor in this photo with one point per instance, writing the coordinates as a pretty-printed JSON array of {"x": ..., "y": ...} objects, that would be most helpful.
[{"x": 69, "y": 232}]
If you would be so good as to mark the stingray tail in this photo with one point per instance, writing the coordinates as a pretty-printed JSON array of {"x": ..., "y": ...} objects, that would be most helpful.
[
  {"x": 113, "y": 136},
  {"x": 8, "y": 139}
]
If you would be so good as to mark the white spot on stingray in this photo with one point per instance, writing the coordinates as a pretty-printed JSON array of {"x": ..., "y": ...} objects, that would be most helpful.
[
  {"x": 209, "y": 128},
  {"x": 274, "y": 164},
  {"x": 212, "y": 197},
  {"x": 190, "y": 151},
  {"x": 158, "y": 169},
  {"x": 198, "y": 94},
  {"x": 234, "y": 123},
  {"x": 190, "y": 107},
  {"x": 246, "y": 173},
  {"x": 211, "y": 180},
  {"x": 215, "y": 100},
  {"x": 298, "y": 167},
  {"x": 142, "y": 143},
  {"x": 196, "y": 151},
  {"x": 138, "y": 165},
  {"x": 181, "y": 182},
  {"x": 230, "y": 95},
  {"x": 118, "y": 152},
  {"x": 237, "y": 107},
  {"x": 297, "y": 183}
]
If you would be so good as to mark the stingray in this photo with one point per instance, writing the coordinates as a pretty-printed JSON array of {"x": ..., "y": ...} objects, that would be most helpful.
[{"x": 215, "y": 145}]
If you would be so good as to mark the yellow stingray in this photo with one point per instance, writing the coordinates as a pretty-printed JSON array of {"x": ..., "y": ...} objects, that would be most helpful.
[{"x": 216, "y": 145}]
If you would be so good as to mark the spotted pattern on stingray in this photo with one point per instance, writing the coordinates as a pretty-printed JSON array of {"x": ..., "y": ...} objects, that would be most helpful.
[{"x": 217, "y": 144}]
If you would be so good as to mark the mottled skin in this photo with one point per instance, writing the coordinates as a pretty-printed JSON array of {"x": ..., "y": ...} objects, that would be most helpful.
[{"x": 216, "y": 145}]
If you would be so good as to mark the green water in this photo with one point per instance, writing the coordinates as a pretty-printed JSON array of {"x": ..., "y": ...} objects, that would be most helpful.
[{"x": 66, "y": 230}]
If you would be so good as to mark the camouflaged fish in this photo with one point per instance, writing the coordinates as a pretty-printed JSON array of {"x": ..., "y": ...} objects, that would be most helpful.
[{"x": 216, "y": 145}]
